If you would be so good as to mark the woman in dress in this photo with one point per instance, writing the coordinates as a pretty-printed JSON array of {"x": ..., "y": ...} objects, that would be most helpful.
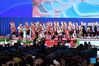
[
  {"x": 13, "y": 28},
  {"x": 20, "y": 30}
]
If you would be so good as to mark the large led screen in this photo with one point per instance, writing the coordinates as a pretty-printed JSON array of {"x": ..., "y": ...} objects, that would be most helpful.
[
  {"x": 50, "y": 8},
  {"x": 66, "y": 8}
]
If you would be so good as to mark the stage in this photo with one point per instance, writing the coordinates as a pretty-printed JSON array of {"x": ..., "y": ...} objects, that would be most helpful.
[{"x": 94, "y": 41}]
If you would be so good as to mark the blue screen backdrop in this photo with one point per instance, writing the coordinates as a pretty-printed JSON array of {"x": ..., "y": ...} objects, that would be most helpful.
[
  {"x": 15, "y": 8},
  {"x": 5, "y": 22}
]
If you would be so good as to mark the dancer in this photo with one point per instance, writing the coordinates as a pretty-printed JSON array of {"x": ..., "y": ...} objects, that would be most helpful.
[
  {"x": 20, "y": 30},
  {"x": 13, "y": 28},
  {"x": 26, "y": 26}
]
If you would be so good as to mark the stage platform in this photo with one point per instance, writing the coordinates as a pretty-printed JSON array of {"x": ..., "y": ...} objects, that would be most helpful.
[{"x": 93, "y": 41}]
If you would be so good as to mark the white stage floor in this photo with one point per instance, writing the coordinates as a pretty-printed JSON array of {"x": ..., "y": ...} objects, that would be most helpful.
[{"x": 93, "y": 41}]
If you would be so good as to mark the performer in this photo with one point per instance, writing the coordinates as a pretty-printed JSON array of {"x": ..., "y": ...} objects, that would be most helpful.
[
  {"x": 48, "y": 30},
  {"x": 84, "y": 34},
  {"x": 44, "y": 28},
  {"x": 42, "y": 35},
  {"x": 51, "y": 29},
  {"x": 64, "y": 27},
  {"x": 55, "y": 29},
  {"x": 95, "y": 29},
  {"x": 80, "y": 31},
  {"x": 59, "y": 31},
  {"x": 13, "y": 28},
  {"x": 70, "y": 28},
  {"x": 56, "y": 25},
  {"x": 27, "y": 28},
  {"x": 40, "y": 27},
  {"x": 20, "y": 30},
  {"x": 89, "y": 30},
  {"x": 30, "y": 29},
  {"x": 33, "y": 31},
  {"x": 74, "y": 34},
  {"x": 77, "y": 30}
]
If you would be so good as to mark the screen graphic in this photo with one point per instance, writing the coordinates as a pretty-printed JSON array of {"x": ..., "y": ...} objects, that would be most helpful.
[{"x": 66, "y": 8}]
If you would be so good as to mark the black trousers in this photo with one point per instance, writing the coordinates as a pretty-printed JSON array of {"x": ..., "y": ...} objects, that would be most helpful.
[
  {"x": 84, "y": 33},
  {"x": 94, "y": 33}
]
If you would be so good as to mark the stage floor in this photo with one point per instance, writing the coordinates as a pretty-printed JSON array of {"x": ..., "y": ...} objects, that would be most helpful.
[{"x": 93, "y": 41}]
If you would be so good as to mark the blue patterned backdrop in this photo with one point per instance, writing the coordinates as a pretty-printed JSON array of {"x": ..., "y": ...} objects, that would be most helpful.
[
  {"x": 5, "y": 22},
  {"x": 15, "y": 8}
]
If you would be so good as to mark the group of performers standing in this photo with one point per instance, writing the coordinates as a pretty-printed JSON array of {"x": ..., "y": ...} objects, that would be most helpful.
[{"x": 61, "y": 29}]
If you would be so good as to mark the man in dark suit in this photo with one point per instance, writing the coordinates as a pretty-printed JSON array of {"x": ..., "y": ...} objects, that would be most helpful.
[
  {"x": 89, "y": 31},
  {"x": 84, "y": 31}
]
